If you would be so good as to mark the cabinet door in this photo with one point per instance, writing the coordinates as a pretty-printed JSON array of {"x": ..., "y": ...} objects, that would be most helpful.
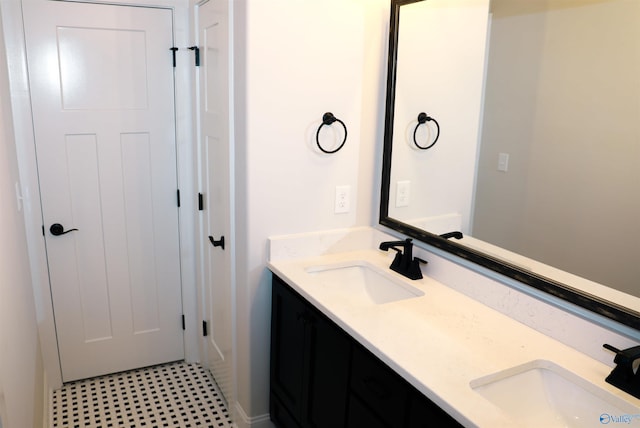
[
  {"x": 310, "y": 359},
  {"x": 424, "y": 413},
  {"x": 328, "y": 378},
  {"x": 287, "y": 348},
  {"x": 360, "y": 416},
  {"x": 279, "y": 414},
  {"x": 382, "y": 389}
]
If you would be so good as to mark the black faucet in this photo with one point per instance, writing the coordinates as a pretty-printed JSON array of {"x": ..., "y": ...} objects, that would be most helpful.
[
  {"x": 404, "y": 263},
  {"x": 623, "y": 375}
]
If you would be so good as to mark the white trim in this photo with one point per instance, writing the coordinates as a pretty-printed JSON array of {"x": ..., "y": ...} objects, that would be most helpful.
[
  {"x": 241, "y": 420},
  {"x": 3, "y": 411},
  {"x": 187, "y": 177},
  {"x": 232, "y": 201},
  {"x": 23, "y": 130},
  {"x": 47, "y": 399},
  {"x": 199, "y": 243}
]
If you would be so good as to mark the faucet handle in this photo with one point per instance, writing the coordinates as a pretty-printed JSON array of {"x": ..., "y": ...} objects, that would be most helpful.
[
  {"x": 413, "y": 270},
  {"x": 625, "y": 356}
]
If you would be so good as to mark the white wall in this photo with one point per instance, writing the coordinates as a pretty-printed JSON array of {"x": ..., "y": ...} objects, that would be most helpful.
[
  {"x": 21, "y": 370},
  {"x": 294, "y": 62}
]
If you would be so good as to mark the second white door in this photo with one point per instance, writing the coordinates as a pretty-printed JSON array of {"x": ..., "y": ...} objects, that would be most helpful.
[{"x": 215, "y": 143}]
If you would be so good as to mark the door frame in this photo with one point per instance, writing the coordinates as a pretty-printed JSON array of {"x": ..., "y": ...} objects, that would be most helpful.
[{"x": 13, "y": 28}]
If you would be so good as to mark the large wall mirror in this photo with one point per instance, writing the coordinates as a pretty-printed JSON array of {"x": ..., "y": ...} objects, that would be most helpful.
[{"x": 534, "y": 108}]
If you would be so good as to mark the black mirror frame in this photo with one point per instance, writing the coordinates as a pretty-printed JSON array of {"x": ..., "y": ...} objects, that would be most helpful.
[{"x": 604, "y": 308}]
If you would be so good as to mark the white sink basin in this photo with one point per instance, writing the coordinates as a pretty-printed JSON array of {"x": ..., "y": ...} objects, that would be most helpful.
[
  {"x": 360, "y": 281},
  {"x": 543, "y": 394}
]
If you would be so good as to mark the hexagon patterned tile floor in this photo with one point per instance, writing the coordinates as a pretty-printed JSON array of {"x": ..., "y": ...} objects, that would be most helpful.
[{"x": 176, "y": 395}]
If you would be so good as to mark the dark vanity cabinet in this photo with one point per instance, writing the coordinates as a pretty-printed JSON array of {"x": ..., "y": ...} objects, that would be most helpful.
[
  {"x": 309, "y": 364},
  {"x": 322, "y": 378}
]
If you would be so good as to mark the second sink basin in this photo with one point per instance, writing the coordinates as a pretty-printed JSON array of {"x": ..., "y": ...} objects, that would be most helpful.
[
  {"x": 362, "y": 281},
  {"x": 542, "y": 394}
]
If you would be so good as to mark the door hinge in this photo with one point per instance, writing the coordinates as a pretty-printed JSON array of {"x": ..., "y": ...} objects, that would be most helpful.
[
  {"x": 196, "y": 50},
  {"x": 205, "y": 333},
  {"x": 178, "y": 197},
  {"x": 173, "y": 52},
  {"x": 184, "y": 324},
  {"x": 200, "y": 202},
  {"x": 43, "y": 230}
]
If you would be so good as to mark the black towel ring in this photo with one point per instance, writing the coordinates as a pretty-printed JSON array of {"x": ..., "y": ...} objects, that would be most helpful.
[
  {"x": 328, "y": 119},
  {"x": 423, "y": 118}
]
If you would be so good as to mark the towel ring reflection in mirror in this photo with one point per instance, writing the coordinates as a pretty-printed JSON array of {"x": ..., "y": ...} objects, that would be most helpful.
[
  {"x": 328, "y": 119},
  {"x": 424, "y": 118}
]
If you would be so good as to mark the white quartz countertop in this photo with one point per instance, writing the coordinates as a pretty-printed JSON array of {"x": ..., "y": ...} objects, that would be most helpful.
[{"x": 441, "y": 341}]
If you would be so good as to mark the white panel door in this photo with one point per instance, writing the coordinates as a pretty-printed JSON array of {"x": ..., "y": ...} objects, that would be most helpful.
[
  {"x": 213, "y": 28},
  {"x": 102, "y": 93}
]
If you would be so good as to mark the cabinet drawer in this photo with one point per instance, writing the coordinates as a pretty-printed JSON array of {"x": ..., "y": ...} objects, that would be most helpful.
[{"x": 379, "y": 386}]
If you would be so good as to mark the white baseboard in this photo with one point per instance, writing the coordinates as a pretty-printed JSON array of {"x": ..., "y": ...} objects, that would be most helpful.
[
  {"x": 3, "y": 409},
  {"x": 241, "y": 420},
  {"x": 47, "y": 396}
]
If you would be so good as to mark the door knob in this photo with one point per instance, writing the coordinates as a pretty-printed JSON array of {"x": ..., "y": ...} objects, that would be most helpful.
[
  {"x": 218, "y": 243},
  {"x": 57, "y": 229}
]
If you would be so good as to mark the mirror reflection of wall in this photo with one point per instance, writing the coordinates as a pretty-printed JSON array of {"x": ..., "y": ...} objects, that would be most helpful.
[
  {"x": 441, "y": 56},
  {"x": 563, "y": 102}
]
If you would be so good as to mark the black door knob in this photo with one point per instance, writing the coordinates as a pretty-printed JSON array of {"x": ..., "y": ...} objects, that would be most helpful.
[
  {"x": 218, "y": 243},
  {"x": 57, "y": 229}
]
